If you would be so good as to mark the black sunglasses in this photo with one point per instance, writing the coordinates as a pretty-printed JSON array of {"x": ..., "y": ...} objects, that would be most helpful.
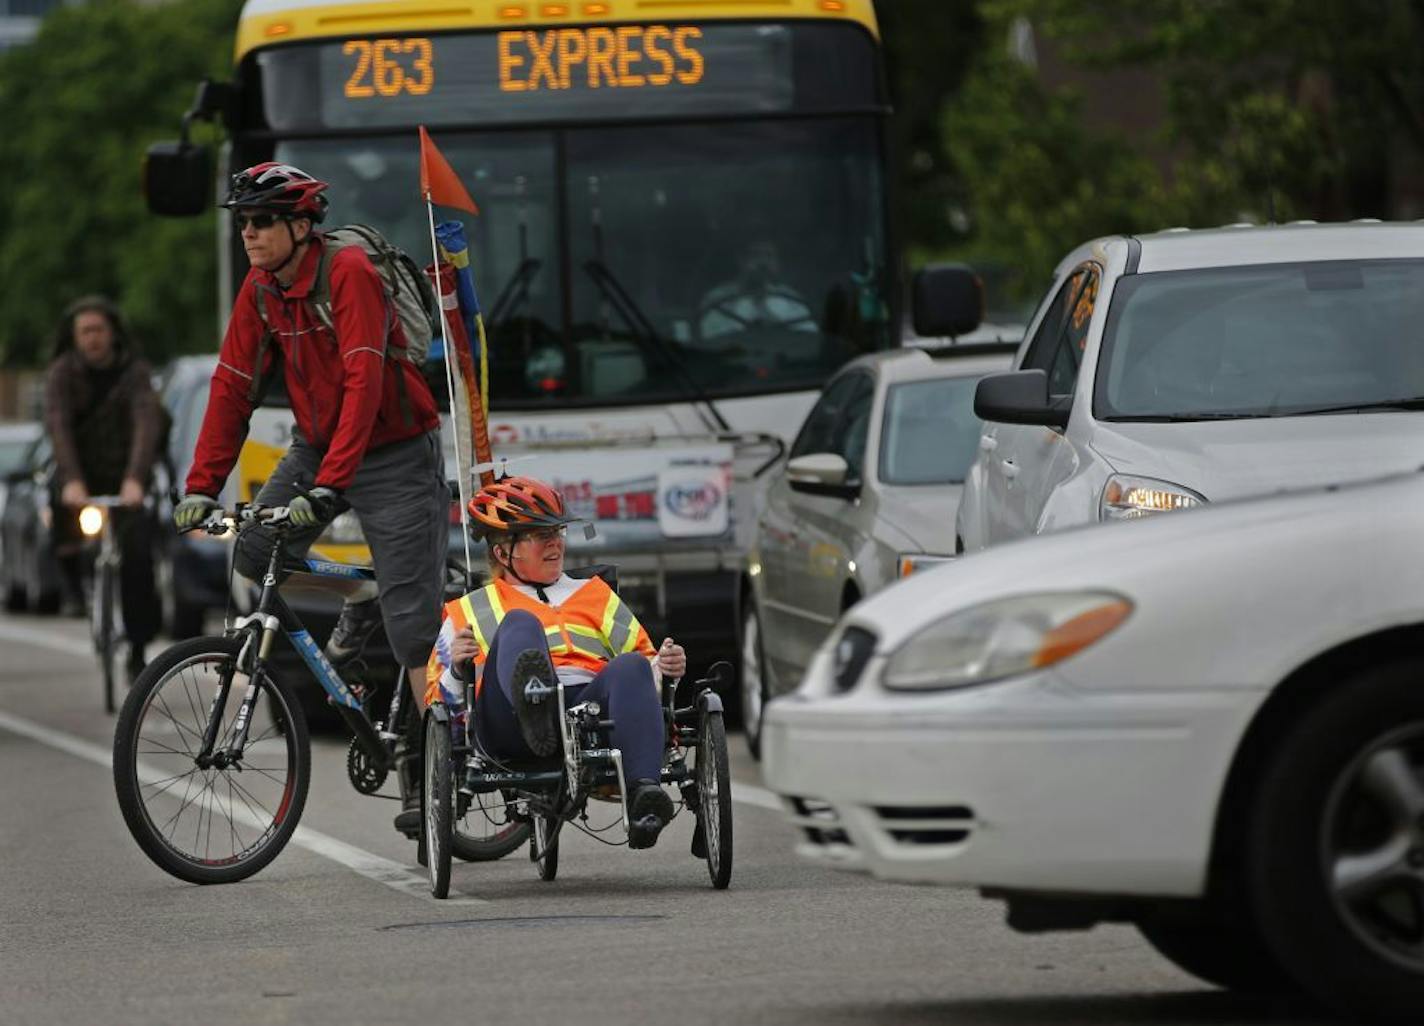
[{"x": 240, "y": 221}]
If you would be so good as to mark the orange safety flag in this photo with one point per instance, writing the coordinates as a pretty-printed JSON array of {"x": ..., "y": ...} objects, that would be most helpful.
[{"x": 438, "y": 181}]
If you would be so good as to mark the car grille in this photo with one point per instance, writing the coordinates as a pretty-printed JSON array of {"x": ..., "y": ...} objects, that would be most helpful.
[
  {"x": 820, "y": 822},
  {"x": 922, "y": 825},
  {"x": 852, "y": 652}
]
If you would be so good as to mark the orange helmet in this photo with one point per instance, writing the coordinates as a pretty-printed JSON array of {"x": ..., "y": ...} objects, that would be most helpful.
[{"x": 516, "y": 504}]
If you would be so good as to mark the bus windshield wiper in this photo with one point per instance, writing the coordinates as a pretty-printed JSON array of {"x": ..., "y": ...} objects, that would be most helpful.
[{"x": 642, "y": 331}]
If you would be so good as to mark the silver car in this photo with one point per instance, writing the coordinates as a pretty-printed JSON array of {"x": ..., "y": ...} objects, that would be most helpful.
[
  {"x": 867, "y": 496},
  {"x": 1170, "y": 370}
]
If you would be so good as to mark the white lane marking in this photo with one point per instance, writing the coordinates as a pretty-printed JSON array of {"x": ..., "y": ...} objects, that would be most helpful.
[
  {"x": 45, "y": 639},
  {"x": 372, "y": 866}
]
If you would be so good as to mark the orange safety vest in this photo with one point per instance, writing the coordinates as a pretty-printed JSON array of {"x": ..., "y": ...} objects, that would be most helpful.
[{"x": 591, "y": 628}]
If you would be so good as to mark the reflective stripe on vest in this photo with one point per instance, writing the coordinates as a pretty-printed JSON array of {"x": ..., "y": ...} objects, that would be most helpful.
[
  {"x": 483, "y": 611},
  {"x": 620, "y": 627},
  {"x": 589, "y": 641}
]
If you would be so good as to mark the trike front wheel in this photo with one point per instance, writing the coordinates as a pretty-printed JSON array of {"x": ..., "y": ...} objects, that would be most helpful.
[{"x": 714, "y": 789}]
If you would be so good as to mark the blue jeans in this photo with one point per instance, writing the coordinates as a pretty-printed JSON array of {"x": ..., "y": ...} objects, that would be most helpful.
[{"x": 623, "y": 688}]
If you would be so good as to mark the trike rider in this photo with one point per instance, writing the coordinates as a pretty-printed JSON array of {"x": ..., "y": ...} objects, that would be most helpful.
[
  {"x": 533, "y": 626},
  {"x": 367, "y": 434}
]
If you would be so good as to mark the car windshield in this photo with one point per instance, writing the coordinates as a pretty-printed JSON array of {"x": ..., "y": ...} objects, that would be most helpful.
[
  {"x": 1264, "y": 341},
  {"x": 930, "y": 434},
  {"x": 649, "y": 262}
]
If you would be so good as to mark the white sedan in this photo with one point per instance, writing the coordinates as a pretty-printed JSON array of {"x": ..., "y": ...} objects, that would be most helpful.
[{"x": 1210, "y": 724}]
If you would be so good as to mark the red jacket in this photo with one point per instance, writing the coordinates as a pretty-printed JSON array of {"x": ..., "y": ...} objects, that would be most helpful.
[{"x": 343, "y": 390}]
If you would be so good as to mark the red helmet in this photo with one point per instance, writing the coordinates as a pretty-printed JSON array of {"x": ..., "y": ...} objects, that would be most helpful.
[
  {"x": 280, "y": 187},
  {"x": 517, "y": 504}
]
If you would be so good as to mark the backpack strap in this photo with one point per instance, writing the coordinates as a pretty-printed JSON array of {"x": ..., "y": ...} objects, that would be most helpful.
[
  {"x": 319, "y": 301},
  {"x": 260, "y": 291}
]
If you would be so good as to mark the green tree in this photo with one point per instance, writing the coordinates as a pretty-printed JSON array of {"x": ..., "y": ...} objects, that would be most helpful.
[
  {"x": 930, "y": 47},
  {"x": 1273, "y": 108},
  {"x": 80, "y": 106}
]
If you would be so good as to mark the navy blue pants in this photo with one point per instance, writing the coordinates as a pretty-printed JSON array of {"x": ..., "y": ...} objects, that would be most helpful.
[{"x": 623, "y": 688}]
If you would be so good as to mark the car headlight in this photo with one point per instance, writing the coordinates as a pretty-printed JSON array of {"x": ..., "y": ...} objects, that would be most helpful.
[
  {"x": 914, "y": 562},
  {"x": 1003, "y": 638},
  {"x": 1129, "y": 498}
]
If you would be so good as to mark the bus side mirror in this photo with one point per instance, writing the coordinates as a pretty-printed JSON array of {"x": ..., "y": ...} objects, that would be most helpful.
[
  {"x": 947, "y": 300},
  {"x": 178, "y": 176},
  {"x": 178, "y": 179}
]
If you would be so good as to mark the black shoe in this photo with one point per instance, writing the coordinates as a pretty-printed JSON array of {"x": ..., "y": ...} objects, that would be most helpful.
[
  {"x": 649, "y": 810},
  {"x": 536, "y": 701},
  {"x": 699, "y": 841},
  {"x": 358, "y": 621},
  {"x": 407, "y": 821}
]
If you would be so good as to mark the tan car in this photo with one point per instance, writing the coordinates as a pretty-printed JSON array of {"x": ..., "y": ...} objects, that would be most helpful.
[{"x": 868, "y": 495}]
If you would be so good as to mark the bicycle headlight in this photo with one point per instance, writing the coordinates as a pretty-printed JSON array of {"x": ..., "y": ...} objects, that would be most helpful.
[
  {"x": 91, "y": 521},
  {"x": 1003, "y": 638}
]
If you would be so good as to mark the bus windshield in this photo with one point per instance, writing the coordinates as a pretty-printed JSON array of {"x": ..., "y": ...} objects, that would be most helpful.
[
  {"x": 725, "y": 258},
  {"x": 720, "y": 236}
]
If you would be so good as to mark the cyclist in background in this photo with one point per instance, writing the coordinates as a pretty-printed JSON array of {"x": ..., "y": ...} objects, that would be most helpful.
[{"x": 105, "y": 424}]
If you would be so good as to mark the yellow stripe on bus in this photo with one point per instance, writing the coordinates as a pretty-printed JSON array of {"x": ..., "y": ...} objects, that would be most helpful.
[{"x": 275, "y": 22}]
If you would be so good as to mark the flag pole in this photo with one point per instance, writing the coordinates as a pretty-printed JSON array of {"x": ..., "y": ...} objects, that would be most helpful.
[{"x": 448, "y": 354}]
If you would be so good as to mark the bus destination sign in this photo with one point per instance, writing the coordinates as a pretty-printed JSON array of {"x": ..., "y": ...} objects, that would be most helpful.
[
  {"x": 629, "y": 57},
  {"x": 535, "y": 75}
]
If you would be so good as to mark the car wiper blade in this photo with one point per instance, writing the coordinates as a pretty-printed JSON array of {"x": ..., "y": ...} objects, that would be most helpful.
[
  {"x": 1181, "y": 418},
  {"x": 1415, "y": 403}
]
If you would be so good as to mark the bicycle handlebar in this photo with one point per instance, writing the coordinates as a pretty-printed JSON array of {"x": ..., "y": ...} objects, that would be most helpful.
[{"x": 224, "y": 521}]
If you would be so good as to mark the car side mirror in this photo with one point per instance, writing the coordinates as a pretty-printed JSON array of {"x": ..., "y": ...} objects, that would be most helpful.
[
  {"x": 822, "y": 473},
  {"x": 1021, "y": 397},
  {"x": 947, "y": 299}
]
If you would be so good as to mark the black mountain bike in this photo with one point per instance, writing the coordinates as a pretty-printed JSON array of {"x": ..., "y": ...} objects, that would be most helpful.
[{"x": 212, "y": 759}]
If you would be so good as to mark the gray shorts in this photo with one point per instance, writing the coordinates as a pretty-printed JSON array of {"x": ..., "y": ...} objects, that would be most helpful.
[{"x": 401, "y": 498}]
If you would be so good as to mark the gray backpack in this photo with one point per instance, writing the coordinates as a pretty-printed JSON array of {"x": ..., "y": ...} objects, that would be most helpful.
[{"x": 410, "y": 292}]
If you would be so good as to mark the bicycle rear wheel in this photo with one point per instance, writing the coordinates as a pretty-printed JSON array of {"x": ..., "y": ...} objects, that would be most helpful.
[
  {"x": 485, "y": 832},
  {"x": 209, "y": 824}
]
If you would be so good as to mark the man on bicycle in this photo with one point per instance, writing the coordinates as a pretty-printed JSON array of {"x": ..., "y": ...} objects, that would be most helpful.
[
  {"x": 534, "y": 626},
  {"x": 367, "y": 433},
  {"x": 104, "y": 423}
]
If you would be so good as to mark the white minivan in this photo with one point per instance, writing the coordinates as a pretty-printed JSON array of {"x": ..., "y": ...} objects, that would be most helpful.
[{"x": 1165, "y": 371}]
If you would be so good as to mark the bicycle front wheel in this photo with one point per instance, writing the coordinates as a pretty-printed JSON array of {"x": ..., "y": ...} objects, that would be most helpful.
[
  {"x": 209, "y": 821},
  {"x": 105, "y": 643}
]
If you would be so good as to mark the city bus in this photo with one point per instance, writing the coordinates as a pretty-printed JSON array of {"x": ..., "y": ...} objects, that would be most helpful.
[{"x": 683, "y": 231}]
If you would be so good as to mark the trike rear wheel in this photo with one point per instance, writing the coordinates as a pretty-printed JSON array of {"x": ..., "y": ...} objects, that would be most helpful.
[{"x": 544, "y": 846}]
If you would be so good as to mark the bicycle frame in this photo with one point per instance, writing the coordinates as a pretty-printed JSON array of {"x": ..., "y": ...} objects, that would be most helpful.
[{"x": 272, "y": 616}]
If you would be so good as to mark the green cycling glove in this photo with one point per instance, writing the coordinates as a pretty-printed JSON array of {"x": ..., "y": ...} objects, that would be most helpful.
[{"x": 193, "y": 510}]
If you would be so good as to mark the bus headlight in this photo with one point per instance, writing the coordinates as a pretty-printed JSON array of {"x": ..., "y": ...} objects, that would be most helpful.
[
  {"x": 1003, "y": 638},
  {"x": 91, "y": 521}
]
